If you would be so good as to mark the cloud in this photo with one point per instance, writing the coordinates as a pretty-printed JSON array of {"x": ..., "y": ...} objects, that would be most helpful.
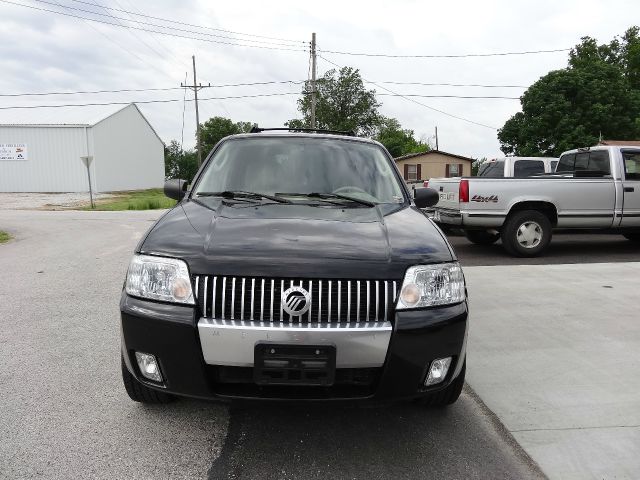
[{"x": 47, "y": 52}]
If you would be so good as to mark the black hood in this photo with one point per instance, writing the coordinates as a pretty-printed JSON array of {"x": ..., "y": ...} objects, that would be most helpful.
[{"x": 295, "y": 240}]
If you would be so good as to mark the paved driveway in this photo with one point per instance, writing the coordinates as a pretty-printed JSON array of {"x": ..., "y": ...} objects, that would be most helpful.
[{"x": 64, "y": 413}]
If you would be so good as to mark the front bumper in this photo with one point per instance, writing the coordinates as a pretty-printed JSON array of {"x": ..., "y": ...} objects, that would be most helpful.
[{"x": 393, "y": 366}]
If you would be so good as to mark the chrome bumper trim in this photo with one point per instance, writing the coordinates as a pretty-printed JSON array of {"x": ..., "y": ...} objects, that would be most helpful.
[{"x": 232, "y": 342}]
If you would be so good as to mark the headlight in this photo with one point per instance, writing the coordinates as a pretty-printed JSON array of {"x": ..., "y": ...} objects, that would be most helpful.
[
  {"x": 431, "y": 285},
  {"x": 159, "y": 278}
]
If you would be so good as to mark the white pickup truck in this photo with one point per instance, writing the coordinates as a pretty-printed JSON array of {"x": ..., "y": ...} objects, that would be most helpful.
[{"x": 592, "y": 188}]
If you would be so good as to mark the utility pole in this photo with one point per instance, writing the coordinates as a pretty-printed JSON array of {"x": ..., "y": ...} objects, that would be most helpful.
[
  {"x": 195, "y": 88},
  {"x": 313, "y": 80},
  {"x": 437, "y": 138}
]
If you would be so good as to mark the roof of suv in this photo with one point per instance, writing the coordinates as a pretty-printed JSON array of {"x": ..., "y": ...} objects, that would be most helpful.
[{"x": 288, "y": 134}]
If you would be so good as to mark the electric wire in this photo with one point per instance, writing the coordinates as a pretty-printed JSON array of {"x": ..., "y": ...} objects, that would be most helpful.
[
  {"x": 92, "y": 12},
  {"x": 198, "y": 26},
  {"x": 462, "y": 55},
  {"x": 122, "y": 90},
  {"x": 416, "y": 101},
  {"x": 141, "y": 102},
  {"x": 154, "y": 31}
]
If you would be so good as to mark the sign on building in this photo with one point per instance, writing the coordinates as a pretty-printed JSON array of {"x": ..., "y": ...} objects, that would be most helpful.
[{"x": 13, "y": 151}]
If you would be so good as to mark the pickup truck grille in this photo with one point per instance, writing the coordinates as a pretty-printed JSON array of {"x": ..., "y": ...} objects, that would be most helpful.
[{"x": 259, "y": 299}]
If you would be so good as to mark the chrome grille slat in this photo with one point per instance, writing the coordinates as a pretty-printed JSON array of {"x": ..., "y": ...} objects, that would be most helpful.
[
  {"x": 253, "y": 291},
  {"x": 233, "y": 298},
  {"x": 237, "y": 298},
  {"x": 319, "y": 300},
  {"x": 349, "y": 301}
]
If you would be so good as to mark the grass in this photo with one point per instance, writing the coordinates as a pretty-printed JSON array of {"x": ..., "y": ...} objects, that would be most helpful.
[
  {"x": 151, "y": 199},
  {"x": 4, "y": 237}
]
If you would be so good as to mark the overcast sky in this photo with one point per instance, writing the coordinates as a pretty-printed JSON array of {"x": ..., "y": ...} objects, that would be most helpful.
[{"x": 46, "y": 52}]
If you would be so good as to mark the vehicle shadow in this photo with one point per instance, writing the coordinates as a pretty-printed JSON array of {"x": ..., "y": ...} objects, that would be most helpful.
[
  {"x": 392, "y": 441},
  {"x": 564, "y": 248}
]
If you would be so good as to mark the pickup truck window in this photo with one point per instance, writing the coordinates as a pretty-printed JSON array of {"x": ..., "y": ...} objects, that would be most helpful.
[
  {"x": 491, "y": 169},
  {"x": 303, "y": 165},
  {"x": 597, "y": 160},
  {"x": 554, "y": 164},
  {"x": 631, "y": 164},
  {"x": 526, "y": 168}
]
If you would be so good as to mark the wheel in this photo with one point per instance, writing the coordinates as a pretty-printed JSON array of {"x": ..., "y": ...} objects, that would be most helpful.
[
  {"x": 482, "y": 237},
  {"x": 526, "y": 233},
  {"x": 449, "y": 395},
  {"x": 634, "y": 237},
  {"x": 141, "y": 393}
]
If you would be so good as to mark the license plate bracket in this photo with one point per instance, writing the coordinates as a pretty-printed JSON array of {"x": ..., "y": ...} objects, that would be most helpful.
[{"x": 278, "y": 364}]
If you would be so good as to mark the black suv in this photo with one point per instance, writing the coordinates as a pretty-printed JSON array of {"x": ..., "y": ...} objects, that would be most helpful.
[{"x": 296, "y": 266}]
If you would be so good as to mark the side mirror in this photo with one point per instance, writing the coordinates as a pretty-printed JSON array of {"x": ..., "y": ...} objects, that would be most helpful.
[
  {"x": 425, "y": 197},
  {"x": 175, "y": 188}
]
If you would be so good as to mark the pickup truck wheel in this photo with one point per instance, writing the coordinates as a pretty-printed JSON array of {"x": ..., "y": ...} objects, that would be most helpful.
[
  {"x": 482, "y": 237},
  {"x": 634, "y": 237},
  {"x": 141, "y": 393},
  {"x": 449, "y": 395},
  {"x": 526, "y": 233}
]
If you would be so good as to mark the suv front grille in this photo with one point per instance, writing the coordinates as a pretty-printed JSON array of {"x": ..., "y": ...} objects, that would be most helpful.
[{"x": 260, "y": 299}]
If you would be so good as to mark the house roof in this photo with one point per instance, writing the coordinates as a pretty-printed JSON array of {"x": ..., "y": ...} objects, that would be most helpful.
[
  {"x": 622, "y": 143},
  {"x": 412, "y": 155}
]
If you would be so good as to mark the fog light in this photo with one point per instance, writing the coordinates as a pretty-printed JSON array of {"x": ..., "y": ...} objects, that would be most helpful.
[
  {"x": 149, "y": 366},
  {"x": 438, "y": 371}
]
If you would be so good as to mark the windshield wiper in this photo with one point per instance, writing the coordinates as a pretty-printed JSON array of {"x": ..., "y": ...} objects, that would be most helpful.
[
  {"x": 241, "y": 194},
  {"x": 329, "y": 196}
]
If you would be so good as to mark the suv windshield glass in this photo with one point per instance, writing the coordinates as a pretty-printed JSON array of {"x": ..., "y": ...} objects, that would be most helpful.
[{"x": 302, "y": 165}]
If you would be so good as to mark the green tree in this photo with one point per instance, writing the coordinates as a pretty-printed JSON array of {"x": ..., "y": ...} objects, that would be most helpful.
[
  {"x": 598, "y": 94},
  {"x": 179, "y": 163},
  {"x": 342, "y": 103},
  {"x": 475, "y": 166},
  {"x": 216, "y": 128},
  {"x": 397, "y": 140}
]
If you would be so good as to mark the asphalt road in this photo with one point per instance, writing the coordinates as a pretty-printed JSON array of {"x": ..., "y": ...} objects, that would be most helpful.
[
  {"x": 564, "y": 249},
  {"x": 64, "y": 412}
]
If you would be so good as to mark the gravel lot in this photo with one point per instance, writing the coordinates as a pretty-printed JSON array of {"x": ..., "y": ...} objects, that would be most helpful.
[{"x": 48, "y": 201}]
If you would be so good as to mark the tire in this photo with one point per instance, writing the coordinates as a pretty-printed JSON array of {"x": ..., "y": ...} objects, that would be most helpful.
[
  {"x": 141, "y": 393},
  {"x": 634, "y": 237},
  {"x": 482, "y": 237},
  {"x": 448, "y": 395},
  {"x": 526, "y": 233}
]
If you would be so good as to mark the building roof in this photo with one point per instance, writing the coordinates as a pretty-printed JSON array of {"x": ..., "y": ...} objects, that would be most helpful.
[
  {"x": 412, "y": 155},
  {"x": 60, "y": 116},
  {"x": 69, "y": 116},
  {"x": 621, "y": 143}
]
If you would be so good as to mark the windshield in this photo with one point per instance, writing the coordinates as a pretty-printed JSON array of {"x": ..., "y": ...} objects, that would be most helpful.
[{"x": 302, "y": 165}]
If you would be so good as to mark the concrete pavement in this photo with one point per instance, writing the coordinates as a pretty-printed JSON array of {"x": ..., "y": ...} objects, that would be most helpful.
[
  {"x": 554, "y": 352},
  {"x": 64, "y": 413}
]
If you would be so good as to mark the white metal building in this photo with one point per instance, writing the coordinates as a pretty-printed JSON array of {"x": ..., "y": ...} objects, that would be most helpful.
[{"x": 41, "y": 150}]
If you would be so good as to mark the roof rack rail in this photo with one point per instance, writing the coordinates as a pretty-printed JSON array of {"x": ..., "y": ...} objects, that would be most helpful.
[{"x": 350, "y": 133}]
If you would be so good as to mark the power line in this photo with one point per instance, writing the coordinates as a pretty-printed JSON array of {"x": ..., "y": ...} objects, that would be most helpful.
[
  {"x": 416, "y": 101},
  {"x": 92, "y": 12},
  {"x": 154, "y": 31},
  {"x": 127, "y": 50},
  {"x": 463, "y": 55},
  {"x": 453, "y": 84},
  {"x": 442, "y": 96},
  {"x": 122, "y": 90},
  {"x": 171, "y": 100},
  {"x": 198, "y": 26}
]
